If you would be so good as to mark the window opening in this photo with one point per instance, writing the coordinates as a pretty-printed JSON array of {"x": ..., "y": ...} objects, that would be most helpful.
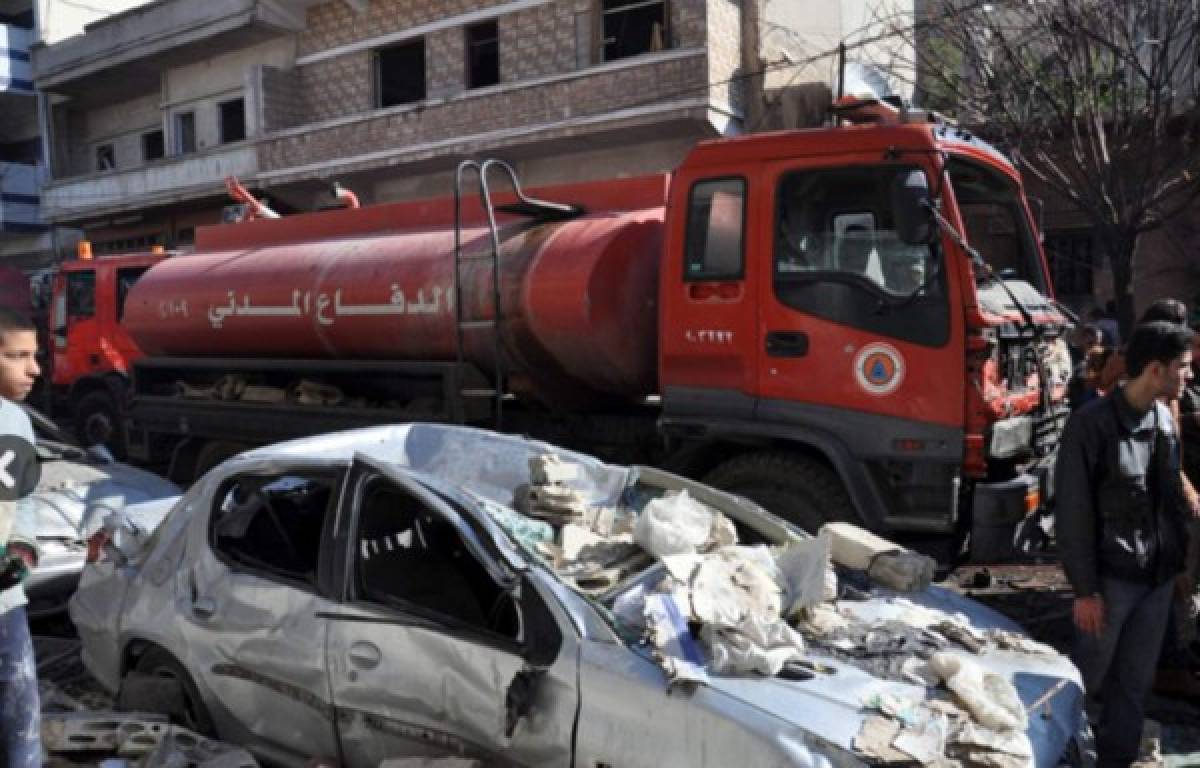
[
  {"x": 483, "y": 54},
  {"x": 632, "y": 27},
  {"x": 185, "y": 133},
  {"x": 106, "y": 158},
  {"x": 274, "y": 524},
  {"x": 153, "y": 147},
  {"x": 400, "y": 74},
  {"x": 233, "y": 120},
  {"x": 409, "y": 558},
  {"x": 715, "y": 230}
]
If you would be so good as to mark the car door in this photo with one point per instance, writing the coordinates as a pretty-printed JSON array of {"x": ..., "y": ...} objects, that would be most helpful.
[
  {"x": 254, "y": 597},
  {"x": 440, "y": 649}
]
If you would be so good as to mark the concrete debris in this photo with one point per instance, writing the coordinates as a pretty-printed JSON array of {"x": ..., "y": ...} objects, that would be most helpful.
[
  {"x": 143, "y": 740},
  {"x": 806, "y": 569},
  {"x": 1012, "y": 641},
  {"x": 885, "y": 563},
  {"x": 874, "y": 740},
  {"x": 756, "y": 645},
  {"x": 991, "y": 700},
  {"x": 727, "y": 587},
  {"x": 677, "y": 524},
  {"x": 674, "y": 647}
]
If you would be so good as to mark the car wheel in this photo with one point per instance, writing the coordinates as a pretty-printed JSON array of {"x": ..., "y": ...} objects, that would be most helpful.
[
  {"x": 192, "y": 715},
  {"x": 98, "y": 422},
  {"x": 797, "y": 488}
]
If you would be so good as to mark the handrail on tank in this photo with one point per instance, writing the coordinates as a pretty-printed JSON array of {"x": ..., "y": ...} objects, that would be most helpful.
[{"x": 524, "y": 206}]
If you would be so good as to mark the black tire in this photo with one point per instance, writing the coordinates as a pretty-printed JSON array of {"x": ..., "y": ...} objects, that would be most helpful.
[
  {"x": 98, "y": 421},
  {"x": 192, "y": 713},
  {"x": 799, "y": 489}
]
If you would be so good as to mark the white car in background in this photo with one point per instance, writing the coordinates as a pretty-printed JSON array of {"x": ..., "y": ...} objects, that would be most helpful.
[{"x": 78, "y": 488}]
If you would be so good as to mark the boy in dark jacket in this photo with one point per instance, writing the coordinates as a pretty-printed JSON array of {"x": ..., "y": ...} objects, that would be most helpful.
[{"x": 1121, "y": 529}]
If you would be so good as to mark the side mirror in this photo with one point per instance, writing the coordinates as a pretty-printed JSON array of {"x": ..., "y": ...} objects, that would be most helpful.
[{"x": 912, "y": 209}]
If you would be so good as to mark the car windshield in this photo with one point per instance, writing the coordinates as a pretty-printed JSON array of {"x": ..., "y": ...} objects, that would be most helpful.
[
  {"x": 997, "y": 225},
  {"x": 52, "y": 441}
]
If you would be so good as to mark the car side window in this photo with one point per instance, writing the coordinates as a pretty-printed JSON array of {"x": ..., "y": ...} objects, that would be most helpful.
[
  {"x": 715, "y": 247},
  {"x": 410, "y": 558},
  {"x": 272, "y": 524}
]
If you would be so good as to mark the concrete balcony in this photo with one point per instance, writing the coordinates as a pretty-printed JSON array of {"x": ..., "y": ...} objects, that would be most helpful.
[
  {"x": 20, "y": 202},
  {"x": 127, "y": 52},
  {"x": 16, "y": 72},
  {"x": 161, "y": 183}
]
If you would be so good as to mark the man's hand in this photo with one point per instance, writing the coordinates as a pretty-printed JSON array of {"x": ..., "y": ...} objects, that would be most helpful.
[{"x": 1089, "y": 614}]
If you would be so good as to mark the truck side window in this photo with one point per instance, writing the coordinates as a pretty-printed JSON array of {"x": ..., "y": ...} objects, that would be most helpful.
[
  {"x": 81, "y": 295},
  {"x": 716, "y": 220},
  {"x": 837, "y": 256},
  {"x": 125, "y": 280}
]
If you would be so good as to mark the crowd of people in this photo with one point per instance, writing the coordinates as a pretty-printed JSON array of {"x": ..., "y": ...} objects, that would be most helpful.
[{"x": 1128, "y": 517}]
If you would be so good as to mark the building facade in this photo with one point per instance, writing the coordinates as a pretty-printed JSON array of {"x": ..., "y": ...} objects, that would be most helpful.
[{"x": 154, "y": 107}]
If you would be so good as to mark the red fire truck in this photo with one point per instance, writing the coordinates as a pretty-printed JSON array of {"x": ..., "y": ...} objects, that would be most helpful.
[{"x": 841, "y": 323}]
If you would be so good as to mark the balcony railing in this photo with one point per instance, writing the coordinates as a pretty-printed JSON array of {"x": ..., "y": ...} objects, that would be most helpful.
[{"x": 163, "y": 181}]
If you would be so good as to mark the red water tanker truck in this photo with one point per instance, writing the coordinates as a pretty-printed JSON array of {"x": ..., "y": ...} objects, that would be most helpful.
[{"x": 844, "y": 323}]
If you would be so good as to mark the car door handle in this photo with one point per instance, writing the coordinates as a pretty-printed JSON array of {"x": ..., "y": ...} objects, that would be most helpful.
[
  {"x": 204, "y": 607},
  {"x": 365, "y": 655},
  {"x": 787, "y": 343}
]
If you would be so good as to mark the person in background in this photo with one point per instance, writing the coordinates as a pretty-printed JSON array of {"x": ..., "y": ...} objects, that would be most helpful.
[
  {"x": 1106, "y": 322},
  {"x": 19, "y": 707},
  {"x": 1081, "y": 342},
  {"x": 1120, "y": 519}
]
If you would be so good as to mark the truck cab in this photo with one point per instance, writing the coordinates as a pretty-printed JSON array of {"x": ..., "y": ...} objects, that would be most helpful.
[
  {"x": 91, "y": 352},
  {"x": 835, "y": 364}
]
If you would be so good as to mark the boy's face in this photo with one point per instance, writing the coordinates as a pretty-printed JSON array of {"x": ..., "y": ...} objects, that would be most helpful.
[{"x": 18, "y": 363}]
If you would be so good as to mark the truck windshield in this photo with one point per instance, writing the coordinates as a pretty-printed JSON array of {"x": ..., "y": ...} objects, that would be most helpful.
[
  {"x": 996, "y": 222},
  {"x": 837, "y": 255}
]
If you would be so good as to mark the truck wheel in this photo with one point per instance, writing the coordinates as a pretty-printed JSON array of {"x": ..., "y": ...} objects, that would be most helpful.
[
  {"x": 798, "y": 489},
  {"x": 192, "y": 713},
  {"x": 98, "y": 421}
]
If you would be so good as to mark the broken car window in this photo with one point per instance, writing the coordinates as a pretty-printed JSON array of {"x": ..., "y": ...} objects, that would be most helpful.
[
  {"x": 273, "y": 524},
  {"x": 409, "y": 558}
]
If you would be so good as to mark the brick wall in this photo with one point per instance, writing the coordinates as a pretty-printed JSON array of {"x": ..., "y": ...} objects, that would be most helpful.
[
  {"x": 283, "y": 102},
  {"x": 337, "y": 87},
  {"x": 445, "y": 62},
  {"x": 594, "y": 94},
  {"x": 336, "y": 23}
]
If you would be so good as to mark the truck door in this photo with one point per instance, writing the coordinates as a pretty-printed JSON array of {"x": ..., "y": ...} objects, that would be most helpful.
[
  {"x": 73, "y": 326},
  {"x": 708, "y": 351},
  {"x": 860, "y": 333}
]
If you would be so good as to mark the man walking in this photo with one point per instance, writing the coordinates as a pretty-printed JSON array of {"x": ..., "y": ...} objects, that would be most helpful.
[
  {"x": 1121, "y": 530},
  {"x": 19, "y": 707}
]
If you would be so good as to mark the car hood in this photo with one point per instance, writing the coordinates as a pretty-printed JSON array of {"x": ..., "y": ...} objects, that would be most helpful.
[
  {"x": 68, "y": 489},
  {"x": 832, "y": 704}
]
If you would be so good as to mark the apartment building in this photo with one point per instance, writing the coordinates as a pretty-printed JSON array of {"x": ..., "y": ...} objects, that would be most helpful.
[{"x": 153, "y": 107}]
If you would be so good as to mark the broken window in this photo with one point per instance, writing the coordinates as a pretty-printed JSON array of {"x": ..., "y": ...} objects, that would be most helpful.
[
  {"x": 153, "y": 147},
  {"x": 483, "y": 54},
  {"x": 273, "y": 524},
  {"x": 400, "y": 74},
  {"x": 716, "y": 216},
  {"x": 106, "y": 158},
  {"x": 630, "y": 27},
  {"x": 185, "y": 133},
  {"x": 233, "y": 120},
  {"x": 412, "y": 559}
]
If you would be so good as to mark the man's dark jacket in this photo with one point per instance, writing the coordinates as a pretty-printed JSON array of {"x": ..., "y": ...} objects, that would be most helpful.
[{"x": 1120, "y": 506}]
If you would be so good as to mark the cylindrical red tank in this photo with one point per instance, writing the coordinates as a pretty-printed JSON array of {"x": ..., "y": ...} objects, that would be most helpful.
[{"x": 578, "y": 300}]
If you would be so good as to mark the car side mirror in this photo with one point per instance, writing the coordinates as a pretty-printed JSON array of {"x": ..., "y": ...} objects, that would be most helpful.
[{"x": 912, "y": 209}]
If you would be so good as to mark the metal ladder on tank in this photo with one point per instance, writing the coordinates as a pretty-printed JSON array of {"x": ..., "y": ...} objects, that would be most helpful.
[{"x": 530, "y": 207}]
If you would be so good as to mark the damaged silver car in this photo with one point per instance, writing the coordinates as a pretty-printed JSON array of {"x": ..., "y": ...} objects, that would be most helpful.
[{"x": 436, "y": 591}]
